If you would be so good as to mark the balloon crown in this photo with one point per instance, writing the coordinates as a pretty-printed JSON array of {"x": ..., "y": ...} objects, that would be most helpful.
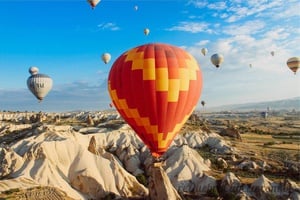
[{"x": 33, "y": 70}]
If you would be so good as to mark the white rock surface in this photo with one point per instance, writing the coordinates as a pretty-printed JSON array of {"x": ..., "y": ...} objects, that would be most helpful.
[
  {"x": 60, "y": 158},
  {"x": 185, "y": 168}
]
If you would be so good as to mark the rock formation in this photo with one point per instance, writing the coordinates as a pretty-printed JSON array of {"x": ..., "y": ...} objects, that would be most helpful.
[
  {"x": 160, "y": 187},
  {"x": 109, "y": 161}
]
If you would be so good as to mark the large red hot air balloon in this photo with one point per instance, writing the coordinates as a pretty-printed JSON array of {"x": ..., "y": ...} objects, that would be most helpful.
[{"x": 155, "y": 88}]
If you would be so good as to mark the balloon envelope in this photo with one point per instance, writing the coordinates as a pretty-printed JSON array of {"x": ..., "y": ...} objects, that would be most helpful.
[
  {"x": 204, "y": 51},
  {"x": 203, "y": 103},
  {"x": 217, "y": 59},
  {"x": 146, "y": 31},
  {"x": 39, "y": 85},
  {"x": 155, "y": 88},
  {"x": 106, "y": 57},
  {"x": 93, "y": 3},
  {"x": 293, "y": 63}
]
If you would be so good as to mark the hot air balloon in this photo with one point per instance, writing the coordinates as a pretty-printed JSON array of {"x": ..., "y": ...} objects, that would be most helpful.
[
  {"x": 93, "y": 3},
  {"x": 39, "y": 84},
  {"x": 217, "y": 59},
  {"x": 250, "y": 65},
  {"x": 272, "y": 53},
  {"x": 203, "y": 103},
  {"x": 293, "y": 63},
  {"x": 136, "y": 8},
  {"x": 146, "y": 31},
  {"x": 106, "y": 57},
  {"x": 204, "y": 51},
  {"x": 155, "y": 88}
]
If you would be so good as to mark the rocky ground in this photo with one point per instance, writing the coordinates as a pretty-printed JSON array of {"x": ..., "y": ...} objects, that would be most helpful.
[{"x": 95, "y": 155}]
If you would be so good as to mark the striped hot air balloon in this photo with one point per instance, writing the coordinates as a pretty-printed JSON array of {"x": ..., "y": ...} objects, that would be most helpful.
[
  {"x": 155, "y": 88},
  {"x": 39, "y": 84},
  {"x": 293, "y": 63}
]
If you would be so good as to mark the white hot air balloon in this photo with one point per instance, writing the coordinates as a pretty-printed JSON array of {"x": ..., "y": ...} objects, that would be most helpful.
[
  {"x": 93, "y": 3},
  {"x": 136, "y": 7},
  {"x": 39, "y": 84},
  {"x": 146, "y": 31},
  {"x": 204, "y": 51},
  {"x": 293, "y": 63},
  {"x": 106, "y": 57},
  {"x": 217, "y": 59}
]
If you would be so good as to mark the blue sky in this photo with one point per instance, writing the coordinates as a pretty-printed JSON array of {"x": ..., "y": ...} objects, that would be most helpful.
[{"x": 65, "y": 40}]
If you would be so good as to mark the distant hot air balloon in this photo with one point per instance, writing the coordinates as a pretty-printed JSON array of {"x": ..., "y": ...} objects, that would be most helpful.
[
  {"x": 146, "y": 31},
  {"x": 293, "y": 63},
  {"x": 203, "y": 103},
  {"x": 272, "y": 53},
  {"x": 204, "y": 51},
  {"x": 93, "y": 3},
  {"x": 217, "y": 59},
  {"x": 155, "y": 88},
  {"x": 106, "y": 57},
  {"x": 136, "y": 8},
  {"x": 250, "y": 65},
  {"x": 39, "y": 84}
]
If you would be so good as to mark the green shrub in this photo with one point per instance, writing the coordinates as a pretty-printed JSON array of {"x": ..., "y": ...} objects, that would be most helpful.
[
  {"x": 270, "y": 196},
  {"x": 230, "y": 196},
  {"x": 269, "y": 143},
  {"x": 212, "y": 192},
  {"x": 11, "y": 191},
  {"x": 142, "y": 179}
]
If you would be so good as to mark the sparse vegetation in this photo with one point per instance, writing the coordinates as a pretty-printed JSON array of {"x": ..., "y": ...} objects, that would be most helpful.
[
  {"x": 11, "y": 191},
  {"x": 269, "y": 143},
  {"x": 230, "y": 196},
  {"x": 212, "y": 192},
  {"x": 271, "y": 196},
  {"x": 109, "y": 196},
  {"x": 142, "y": 179}
]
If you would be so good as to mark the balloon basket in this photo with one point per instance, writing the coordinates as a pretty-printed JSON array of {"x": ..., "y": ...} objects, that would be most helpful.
[{"x": 158, "y": 164}]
